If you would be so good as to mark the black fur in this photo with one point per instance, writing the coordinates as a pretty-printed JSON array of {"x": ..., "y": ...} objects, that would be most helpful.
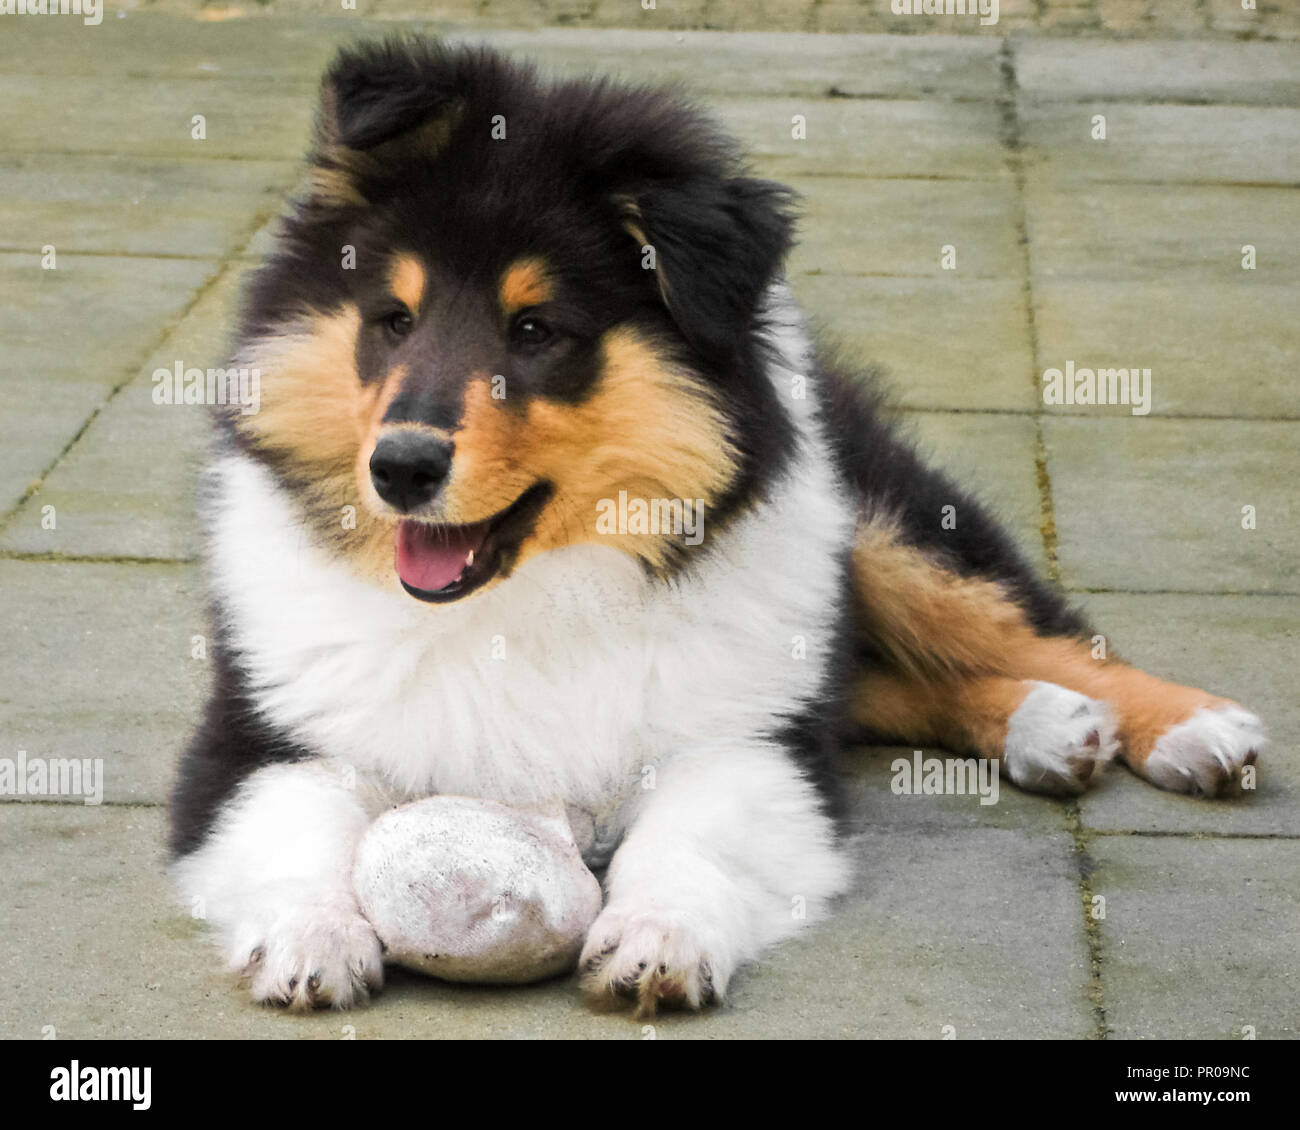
[
  {"x": 232, "y": 742},
  {"x": 383, "y": 91},
  {"x": 584, "y": 169},
  {"x": 889, "y": 476},
  {"x": 409, "y": 124},
  {"x": 816, "y": 737}
]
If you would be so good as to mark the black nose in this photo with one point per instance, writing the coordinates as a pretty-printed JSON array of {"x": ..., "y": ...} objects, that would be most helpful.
[{"x": 408, "y": 468}]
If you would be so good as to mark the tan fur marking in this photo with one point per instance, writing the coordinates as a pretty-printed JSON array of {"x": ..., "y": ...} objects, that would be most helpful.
[
  {"x": 523, "y": 284},
  {"x": 963, "y": 715},
  {"x": 316, "y": 413},
  {"x": 313, "y": 405},
  {"x": 407, "y": 280},
  {"x": 632, "y": 224},
  {"x": 932, "y": 621},
  {"x": 645, "y": 429}
]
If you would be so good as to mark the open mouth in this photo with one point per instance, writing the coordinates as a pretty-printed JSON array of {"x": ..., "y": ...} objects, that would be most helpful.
[{"x": 440, "y": 563}]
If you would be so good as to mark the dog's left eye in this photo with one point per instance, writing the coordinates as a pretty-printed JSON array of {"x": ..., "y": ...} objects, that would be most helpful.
[
  {"x": 530, "y": 331},
  {"x": 399, "y": 323}
]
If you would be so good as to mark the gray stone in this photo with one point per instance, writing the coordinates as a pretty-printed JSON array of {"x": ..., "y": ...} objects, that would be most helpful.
[
  {"x": 1191, "y": 937},
  {"x": 1148, "y": 504},
  {"x": 153, "y": 117},
  {"x": 900, "y": 227},
  {"x": 1113, "y": 232},
  {"x": 1213, "y": 350},
  {"x": 1049, "y": 69},
  {"x": 1165, "y": 144},
  {"x": 973, "y": 355},
  {"x": 869, "y": 138},
  {"x": 126, "y": 488},
  {"x": 99, "y": 663},
  {"x": 144, "y": 206},
  {"x": 71, "y": 336}
]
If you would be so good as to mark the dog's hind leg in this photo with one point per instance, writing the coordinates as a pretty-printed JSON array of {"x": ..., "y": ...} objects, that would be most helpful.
[
  {"x": 1048, "y": 738},
  {"x": 953, "y": 660}
]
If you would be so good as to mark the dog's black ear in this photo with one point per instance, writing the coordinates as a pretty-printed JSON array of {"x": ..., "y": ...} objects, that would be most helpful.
[
  {"x": 375, "y": 92},
  {"x": 715, "y": 245}
]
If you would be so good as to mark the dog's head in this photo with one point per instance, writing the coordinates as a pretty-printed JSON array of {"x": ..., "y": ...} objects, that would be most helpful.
[{"x": 508, "y": 316}]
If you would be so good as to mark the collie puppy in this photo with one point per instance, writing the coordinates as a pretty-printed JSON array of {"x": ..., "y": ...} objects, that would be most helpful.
[{"x": 550, "y": 499}]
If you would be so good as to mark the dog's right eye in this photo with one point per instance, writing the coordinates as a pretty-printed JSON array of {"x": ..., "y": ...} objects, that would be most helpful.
[{"x": 399, "y": 323}]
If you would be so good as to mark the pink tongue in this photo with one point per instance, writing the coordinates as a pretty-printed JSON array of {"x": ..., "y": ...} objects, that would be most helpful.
[{"x": 431, "y": 557}]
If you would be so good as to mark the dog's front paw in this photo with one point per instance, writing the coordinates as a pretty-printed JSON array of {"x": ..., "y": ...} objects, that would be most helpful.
[
  {"x": 323, "y": 955},
  {"x": 1207, "y": 753},
  {"x": 653, "y": 958}
]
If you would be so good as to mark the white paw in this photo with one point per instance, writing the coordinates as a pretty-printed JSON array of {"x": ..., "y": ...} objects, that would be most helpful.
[
  {"x": 1207, "y": 753},
  {"x": 1058, "y": 739},
  {"x": 321, "y": 955},
  {"x": 654, "y": 957}
]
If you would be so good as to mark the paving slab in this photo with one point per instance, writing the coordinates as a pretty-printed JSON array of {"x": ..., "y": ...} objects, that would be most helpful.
[
  {"x": 98, "y": 663},
  {"x": 150, "y": 117},
  {"x": 172, "y": 45},
  {"x": 753, "y": 63},
  {"x": 1165, "y": 144},
  {"x": 1243, "y": 648},
  {"x": 39, "y": 422},
  {"x": 1118, "y": 232},
  {"x": 1151, "y": 505},
  {"x": 937, "y": 936},
  {"x": 1195, "y": 938},
  {"x": 90, "y": 317},
  {"x": 192, "y": 208},
  {"x": 126, "y": 488},
  {"x": 870, "y": 774},
  {"x": 875, "y": 320},
  {"x": 1213, "y": 350},
  {"x": 860, "y": 137},
  {"x": 71, "y": 335},
  {"x": 855, "y": 226},
  {"x": 1071, "y": 18},
  {"x": 1070, "y": 70},
  {"x": 929, "y": 939}
]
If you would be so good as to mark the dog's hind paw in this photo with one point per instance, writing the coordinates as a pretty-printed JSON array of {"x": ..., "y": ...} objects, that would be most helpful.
[
  {"x": 1058, "y": 739},
  {"x": 1206, "y": 754}
]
